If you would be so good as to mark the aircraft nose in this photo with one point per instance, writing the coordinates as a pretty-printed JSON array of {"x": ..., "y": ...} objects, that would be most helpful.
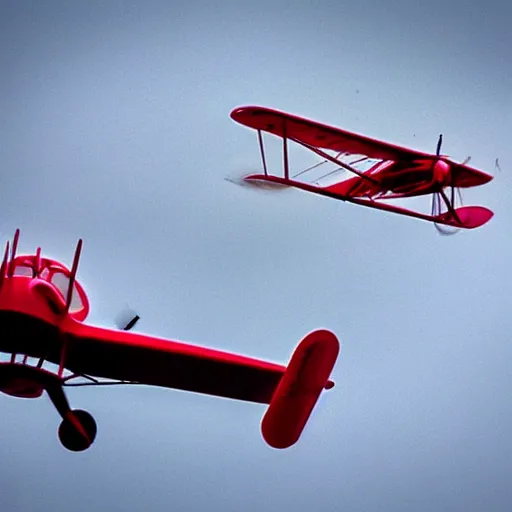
[{"x": 441, "y": 172}]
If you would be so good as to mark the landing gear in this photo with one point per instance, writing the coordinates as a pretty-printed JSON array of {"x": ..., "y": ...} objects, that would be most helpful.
[{"x": 77, "y": 431}]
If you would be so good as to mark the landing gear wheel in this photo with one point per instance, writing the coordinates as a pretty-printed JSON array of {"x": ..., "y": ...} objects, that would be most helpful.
[{"x": 78, "y": 431}]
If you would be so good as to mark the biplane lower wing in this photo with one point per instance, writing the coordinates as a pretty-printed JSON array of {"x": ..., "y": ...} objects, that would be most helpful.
[
  {"x": 467, "y": 217},
  {"x": 305, "y": 378},
  {"x": 127, "y": 356}
]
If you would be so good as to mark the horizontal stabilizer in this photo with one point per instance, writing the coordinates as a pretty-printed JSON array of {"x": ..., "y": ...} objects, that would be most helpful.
[
  {"x": 469, "y": 216},
  {"x": 299, "y": 389}
]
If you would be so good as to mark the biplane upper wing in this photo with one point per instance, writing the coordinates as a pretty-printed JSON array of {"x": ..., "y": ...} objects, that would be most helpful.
[
  {"x": 318, "y": 135},
  {"x": 128, "y": 356},
  {"x": 323, "y": 137}
]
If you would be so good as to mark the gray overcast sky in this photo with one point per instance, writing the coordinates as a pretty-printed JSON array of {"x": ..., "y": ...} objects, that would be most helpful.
[{"x": 114, "y": 127}]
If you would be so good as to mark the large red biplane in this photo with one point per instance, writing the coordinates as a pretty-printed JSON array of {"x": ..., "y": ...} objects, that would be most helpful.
[
  {"x": 379, "y": 171},
  {"x": 48, "y": 347}
]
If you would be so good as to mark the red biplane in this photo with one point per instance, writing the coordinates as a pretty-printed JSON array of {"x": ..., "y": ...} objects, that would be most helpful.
[
  {"x": 42, "y": 309},
  {"x": 380, "y": 171}
]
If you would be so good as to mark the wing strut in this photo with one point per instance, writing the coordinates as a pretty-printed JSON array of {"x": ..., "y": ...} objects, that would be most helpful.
[
  {"x": 37, "y": 270},
  {"x": 262, "y": 151},
  {"x": 5, "y": 261},
  {"x": 13, "y": 252},
  {"x": 334, "y": 160},
  {"x": 71, "y": 285},
  {"x": 72, "y": 276},
  {"x": 285, "y": 152}
]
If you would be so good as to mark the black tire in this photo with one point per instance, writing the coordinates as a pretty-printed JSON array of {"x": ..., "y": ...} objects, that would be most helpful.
[{"x": 73, "y": 439}]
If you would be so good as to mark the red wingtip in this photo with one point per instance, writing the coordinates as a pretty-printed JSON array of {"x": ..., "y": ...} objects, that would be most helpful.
[
  {"x": 264, "y": 182},
  {"x": 238, "y": 113}
]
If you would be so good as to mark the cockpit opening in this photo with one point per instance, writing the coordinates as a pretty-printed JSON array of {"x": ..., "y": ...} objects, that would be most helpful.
[{"x": 56, "y": 275}]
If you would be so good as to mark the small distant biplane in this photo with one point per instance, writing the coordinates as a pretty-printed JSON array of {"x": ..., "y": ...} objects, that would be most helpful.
[
  {"x": 42, "y": 310},
  {"x": 380, "y": 171}
]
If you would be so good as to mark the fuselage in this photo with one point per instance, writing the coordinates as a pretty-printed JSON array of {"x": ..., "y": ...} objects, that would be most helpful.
[{"x": 407, "y": 179}]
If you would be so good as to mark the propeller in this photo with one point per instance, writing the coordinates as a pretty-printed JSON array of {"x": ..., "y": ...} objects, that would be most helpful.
[
  {"x": 437, "y": 201},
  {"x": 439, "y": 144},
  {"x": 437, "y": 210},
  {"x": 127, "y": 320}
]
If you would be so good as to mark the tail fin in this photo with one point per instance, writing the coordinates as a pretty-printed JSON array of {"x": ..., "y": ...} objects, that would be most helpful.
[{"x": 306, "y": 376}]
